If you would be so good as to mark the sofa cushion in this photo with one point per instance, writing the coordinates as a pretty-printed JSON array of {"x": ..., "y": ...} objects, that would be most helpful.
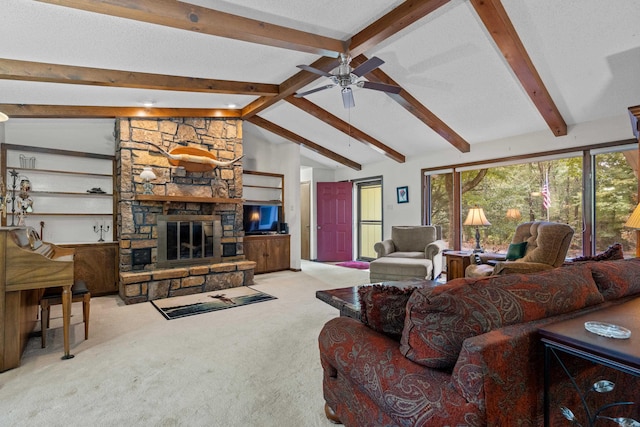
[
  {"x": 516, "y": 251},
  {"x": 412, "y": 238},
  {"x": 382, "y": 308},
  {"x": 616, "y": 279},
  {"x": 438, "y": 320}
]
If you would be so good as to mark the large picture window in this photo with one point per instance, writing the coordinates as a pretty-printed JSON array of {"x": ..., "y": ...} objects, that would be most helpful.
[
  {"x": 510, "y": 195},
  {"x": 594, "y": 190}
]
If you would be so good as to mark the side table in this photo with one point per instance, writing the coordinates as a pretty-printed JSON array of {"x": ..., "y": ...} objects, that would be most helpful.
[
  {"x": 571, "y": 337},
  {"x": 457, "y": 262}
]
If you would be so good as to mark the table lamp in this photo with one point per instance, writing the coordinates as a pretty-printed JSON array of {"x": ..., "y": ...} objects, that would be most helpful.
[
  {"x": 147, "y": 175},
  {"x": 476, "y": 218},
  {"x": 514, "y": 213},
  {"x": 634, "y": 222}
]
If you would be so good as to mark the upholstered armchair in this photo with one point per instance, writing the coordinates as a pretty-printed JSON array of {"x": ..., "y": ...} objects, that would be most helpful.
[
  {"x": 412, "y": 251},
  {"x": 536, "y": 246}
]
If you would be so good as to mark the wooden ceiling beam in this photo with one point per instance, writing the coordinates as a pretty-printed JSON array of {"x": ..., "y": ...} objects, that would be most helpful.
[
  {"x": 11, "y": 69},
  {"x": 498, "y": 24},
  {"x": 84, "y": 112},
  {"x": 398, "y": 19},
  {"x": 394, "y": 21},
  {"x": 185, "y": 16},
  {"x": 297, "y": 139},
  {"x": 413, "y": 106},
  {"x": 339, "y": 124}
]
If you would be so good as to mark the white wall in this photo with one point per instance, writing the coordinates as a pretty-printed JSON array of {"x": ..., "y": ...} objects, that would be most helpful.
[
  {"x": 408, "y": 173},
  {"x": 86, "y": 135}
]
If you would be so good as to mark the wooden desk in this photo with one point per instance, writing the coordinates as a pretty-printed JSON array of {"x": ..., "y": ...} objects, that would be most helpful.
[{"x": 571, "y": 337}]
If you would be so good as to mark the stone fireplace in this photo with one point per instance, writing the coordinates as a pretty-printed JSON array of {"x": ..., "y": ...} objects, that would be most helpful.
[{"x": 187, "y": 236}]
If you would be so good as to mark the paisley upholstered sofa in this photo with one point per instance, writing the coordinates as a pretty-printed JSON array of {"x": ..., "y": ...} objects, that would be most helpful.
[{"x": 467, "y": 353}]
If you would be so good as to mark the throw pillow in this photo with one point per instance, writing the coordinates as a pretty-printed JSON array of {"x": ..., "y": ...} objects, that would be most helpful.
[
  {"x": 382, "y": 308},
  {"x": 516, "y": 251},
  {"x": 439, "y": 319},
  {"x": 617, "y": 279}
]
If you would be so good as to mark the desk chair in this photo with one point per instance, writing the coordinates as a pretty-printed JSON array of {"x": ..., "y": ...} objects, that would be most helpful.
[{"x": 53, "y": 296}]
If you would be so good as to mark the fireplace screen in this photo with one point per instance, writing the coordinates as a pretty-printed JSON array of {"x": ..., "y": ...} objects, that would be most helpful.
[{"x": 188, "y": 239}]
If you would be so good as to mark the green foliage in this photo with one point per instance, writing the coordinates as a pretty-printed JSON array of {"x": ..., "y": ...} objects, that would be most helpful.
[{"x": 519, "y": 186}]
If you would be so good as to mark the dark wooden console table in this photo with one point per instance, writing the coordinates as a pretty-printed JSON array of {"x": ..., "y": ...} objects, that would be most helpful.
[
  {"x": 346, "y": 299},
  {"x": 571, "y": 337}
]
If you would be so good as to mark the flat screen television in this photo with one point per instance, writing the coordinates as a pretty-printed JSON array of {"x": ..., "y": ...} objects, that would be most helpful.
[{"x": 261, "y": 219}]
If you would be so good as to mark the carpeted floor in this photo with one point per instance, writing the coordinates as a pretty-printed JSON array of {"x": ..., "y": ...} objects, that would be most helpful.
[{"x": 255, "y": 365}]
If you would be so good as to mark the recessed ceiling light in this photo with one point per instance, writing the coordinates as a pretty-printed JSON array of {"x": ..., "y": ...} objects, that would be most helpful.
[
  {"x": 149, "y": 103},
  {"x": 232, "y": 106}
]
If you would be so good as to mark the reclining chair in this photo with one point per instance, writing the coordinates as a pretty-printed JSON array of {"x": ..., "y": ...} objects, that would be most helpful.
[{"x": 536, "y": 246}]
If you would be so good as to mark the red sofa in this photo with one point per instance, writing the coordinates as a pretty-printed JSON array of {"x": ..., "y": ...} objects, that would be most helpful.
[{"x": 467, "y": 353}]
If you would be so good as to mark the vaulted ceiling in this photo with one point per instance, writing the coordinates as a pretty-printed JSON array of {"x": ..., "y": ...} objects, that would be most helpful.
[{"x": 470, "y": 71}]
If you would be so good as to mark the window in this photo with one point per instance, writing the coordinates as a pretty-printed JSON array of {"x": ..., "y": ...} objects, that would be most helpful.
[
  {"x": 513, "y": 194},
  {"x": 593, "y": 189},
  {"x": 441, "y": 193},
  {"x": 616, "y": 196}
]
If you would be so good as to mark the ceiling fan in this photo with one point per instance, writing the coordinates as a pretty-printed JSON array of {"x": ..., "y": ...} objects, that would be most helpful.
[{"x": 347, "y": 76}]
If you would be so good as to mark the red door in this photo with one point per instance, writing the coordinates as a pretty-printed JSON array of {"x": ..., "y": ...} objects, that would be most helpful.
[{"x": 334, "y": 221}]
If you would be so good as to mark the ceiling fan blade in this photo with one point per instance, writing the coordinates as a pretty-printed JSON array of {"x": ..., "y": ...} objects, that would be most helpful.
[
  {"x": 367, "y": 66},
  {"x": 381, "y": 87},
  {"x": 315, "y": 70},
  {"x": 318, "y": 89},
  {"x": 347, "y": 98}
]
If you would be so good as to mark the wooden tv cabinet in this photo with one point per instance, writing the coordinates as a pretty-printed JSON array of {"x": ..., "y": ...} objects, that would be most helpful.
[{"x": 271, "y": 252}]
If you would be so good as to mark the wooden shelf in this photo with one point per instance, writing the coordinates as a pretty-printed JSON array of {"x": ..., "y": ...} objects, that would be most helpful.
[
  {"x": 185, "y": 199},
  {"x": 63, "y": 214},
  {"x": 68, "y": 193},
  {"x": 60, "y": 172}
]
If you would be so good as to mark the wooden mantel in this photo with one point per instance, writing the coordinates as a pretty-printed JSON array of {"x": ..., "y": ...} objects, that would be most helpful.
[
  {"x": 183, "y": 199},
  {"x": 187, "y": 199}
]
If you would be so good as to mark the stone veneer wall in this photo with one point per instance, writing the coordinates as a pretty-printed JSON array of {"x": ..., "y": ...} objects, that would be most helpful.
[{"x": 136, "y": 219}]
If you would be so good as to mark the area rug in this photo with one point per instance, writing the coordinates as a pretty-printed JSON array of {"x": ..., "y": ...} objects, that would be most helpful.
[
  {"x": 188, "y": 305},
  {"x": 360, "y": 265}
]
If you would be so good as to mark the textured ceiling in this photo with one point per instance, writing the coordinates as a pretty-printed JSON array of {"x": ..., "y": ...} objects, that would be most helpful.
[{"x": 587, "y": 53}]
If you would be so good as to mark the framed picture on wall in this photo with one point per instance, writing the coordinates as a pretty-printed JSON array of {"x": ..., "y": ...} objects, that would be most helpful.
[{"x": 403, "y": 194}]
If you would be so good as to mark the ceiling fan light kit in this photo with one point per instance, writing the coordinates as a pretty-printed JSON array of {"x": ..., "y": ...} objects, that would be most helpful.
[{"x": 346, "y": 77}]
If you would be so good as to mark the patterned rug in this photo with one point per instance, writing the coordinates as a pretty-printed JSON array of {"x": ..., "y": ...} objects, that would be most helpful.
[
  {"x": 360, "y": 265},
  {"x": 188, "y": 305}
]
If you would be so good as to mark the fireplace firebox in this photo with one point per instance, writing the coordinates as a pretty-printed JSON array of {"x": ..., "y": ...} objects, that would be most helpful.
[{"x": 189, "y": 240}]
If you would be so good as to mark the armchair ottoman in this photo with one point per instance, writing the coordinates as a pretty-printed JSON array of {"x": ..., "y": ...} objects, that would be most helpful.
[
  {"x": 398, "y": 269},
  {"x": 412, "y": 252}
]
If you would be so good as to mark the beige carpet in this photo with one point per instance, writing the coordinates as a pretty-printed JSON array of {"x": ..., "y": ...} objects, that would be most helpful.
[{"x": 255, "y": 365}]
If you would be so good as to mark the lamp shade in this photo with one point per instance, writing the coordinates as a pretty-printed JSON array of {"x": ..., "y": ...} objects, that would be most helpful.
[
  {"x": 634, "y": 219},
  {"x": 3, "y": 117},
  {"x": 476, "y": 217},
  {"x": 147, "y": 173},
  {"x": 513, "y": 213}
]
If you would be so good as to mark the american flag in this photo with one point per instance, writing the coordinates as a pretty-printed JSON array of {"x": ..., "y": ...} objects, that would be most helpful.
[{"x": 546, "y": 194}]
